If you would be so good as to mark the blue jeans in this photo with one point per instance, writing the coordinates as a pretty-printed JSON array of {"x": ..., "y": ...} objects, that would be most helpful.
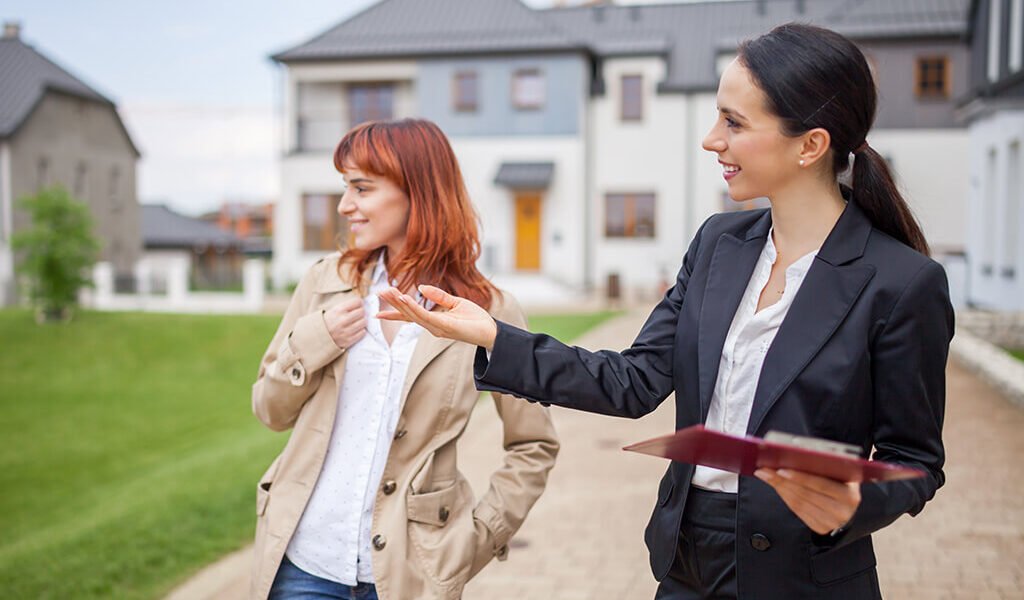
[{"x": 292, "y": 583}]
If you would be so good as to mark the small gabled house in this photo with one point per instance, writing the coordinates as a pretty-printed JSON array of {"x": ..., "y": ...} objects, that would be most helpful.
[{"x": 55, "y": 129}]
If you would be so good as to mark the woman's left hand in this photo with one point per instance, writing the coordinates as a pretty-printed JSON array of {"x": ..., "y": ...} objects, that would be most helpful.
[{"x": 822, "y": 504}]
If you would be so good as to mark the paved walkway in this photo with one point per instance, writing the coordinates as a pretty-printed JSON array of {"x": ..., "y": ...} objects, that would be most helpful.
[{"x": 584, "y": 538}]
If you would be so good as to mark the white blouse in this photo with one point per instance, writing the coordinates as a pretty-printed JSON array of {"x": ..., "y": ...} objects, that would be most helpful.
[
  {"x": 739, "y": 369},
  {"x": 332, "y": 540}
]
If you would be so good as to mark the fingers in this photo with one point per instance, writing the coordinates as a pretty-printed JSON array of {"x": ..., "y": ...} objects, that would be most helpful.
[
  {"x": 822, "y": 504},
  {"x": 439, "y": 296},
  {"x": 392, "y": 315},
  {"x": 410, "y": 311}
]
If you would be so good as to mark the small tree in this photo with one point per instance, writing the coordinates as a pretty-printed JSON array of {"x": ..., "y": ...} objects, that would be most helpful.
[{"x": 57, "y": 251}]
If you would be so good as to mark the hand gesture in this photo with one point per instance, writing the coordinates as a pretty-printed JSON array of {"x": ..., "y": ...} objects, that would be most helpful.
[
  {"x": 346, "y": 322},
  {"x": 822, "y": 504},
  {"x": 462, "y": 320}
]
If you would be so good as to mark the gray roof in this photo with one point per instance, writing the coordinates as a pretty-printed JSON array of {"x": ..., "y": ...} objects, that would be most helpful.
[
  {"x": 698, "y": 31},
  {"x": 525, "y": 175},
  {"x": 27, "y": 75},
  {"x": 164, "y": 228},
  {"x": 429, "y": 27},
  {"x": 690, "y": 34}
]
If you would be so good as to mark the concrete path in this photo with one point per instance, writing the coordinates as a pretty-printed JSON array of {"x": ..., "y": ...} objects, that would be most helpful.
[{"x": 584, "y": 538}]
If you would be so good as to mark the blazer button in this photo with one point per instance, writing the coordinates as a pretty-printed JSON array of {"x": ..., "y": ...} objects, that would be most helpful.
[
  {"x": 379, "y": 542},
  {"x": 389, "y": 487},
  {"x": 400, "y": 434},
  {"x": 443, "y": 514},
  {"x": 760, "y": 542}
]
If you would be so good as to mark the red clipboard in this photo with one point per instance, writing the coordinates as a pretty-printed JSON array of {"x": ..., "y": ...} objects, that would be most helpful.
[{"x": 697, "y": 445}]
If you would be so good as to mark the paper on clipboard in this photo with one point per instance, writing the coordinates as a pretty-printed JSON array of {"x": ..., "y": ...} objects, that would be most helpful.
[{"x": 698, "y": 445}]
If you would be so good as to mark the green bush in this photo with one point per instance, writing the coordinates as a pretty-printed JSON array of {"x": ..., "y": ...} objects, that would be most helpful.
[{"x": 56, "y": 251}]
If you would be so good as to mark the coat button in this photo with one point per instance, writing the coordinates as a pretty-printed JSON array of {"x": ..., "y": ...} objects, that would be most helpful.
[
  {"x": 400, "y": 434},
  {"x": 296, "y": 373},
  {"x": 389, "y": 487},
  {"x": 379, "y": 542},
  {"x": 760, "y": 542},
  {"x": 443, "y": 514}
]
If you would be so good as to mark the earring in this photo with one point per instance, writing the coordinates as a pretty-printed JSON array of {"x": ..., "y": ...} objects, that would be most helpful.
[{"x": 801, "y": 162}]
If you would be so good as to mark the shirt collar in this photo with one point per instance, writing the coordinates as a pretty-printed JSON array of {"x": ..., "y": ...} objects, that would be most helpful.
[
  {"x": 799, "y": 267},
  {"x": 381, "y": 281}
]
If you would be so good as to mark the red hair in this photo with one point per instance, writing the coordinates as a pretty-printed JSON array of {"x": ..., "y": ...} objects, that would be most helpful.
[{"x": 442, "y": 240}]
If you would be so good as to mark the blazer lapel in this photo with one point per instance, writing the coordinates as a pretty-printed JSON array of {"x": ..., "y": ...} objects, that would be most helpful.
[
  {"x": 728, "y": 275},
  {"x": 829, "y": 290}
]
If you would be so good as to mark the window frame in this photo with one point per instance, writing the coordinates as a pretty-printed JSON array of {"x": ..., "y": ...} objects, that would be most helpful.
[
  {"x": 639, "y": 116},
  {"x": 376, "y": 87},
  {"x": 946, "y": 78},
  {"x": 630, "y": 201},
  {"x": 332, "y": 219},
  {"x": 516, "y": 86},
  {"x": 460, "y": 103}
]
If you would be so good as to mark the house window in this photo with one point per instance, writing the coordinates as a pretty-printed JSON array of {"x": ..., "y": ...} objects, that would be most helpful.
[
  {"x": 79, "y": 185},
  {"x": 995, "y": 28},
  {"x": 1016, "y": 35},
  {"x": 933, "y": 77},
  {"x": 42, "y": 173},
  {"x": 322, "y": 227},
  {"x": 1011, "y": 214},
  {"x": 115, "y": 186},
  {"x": 370, "y": 102},
  {"x": 629, "y": 216},
  {"x": 320, "y": 115},
  {"x": 528, "y": 90},
  {"x": 466, "y": 91},
  {"x": 632, "y": 98}
]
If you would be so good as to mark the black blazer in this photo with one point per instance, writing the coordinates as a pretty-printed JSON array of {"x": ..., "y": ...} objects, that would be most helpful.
[{"x": 860, "y": 358}]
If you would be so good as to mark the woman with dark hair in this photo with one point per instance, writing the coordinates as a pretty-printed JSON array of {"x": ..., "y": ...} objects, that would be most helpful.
[
  {"x": 366, "y": 500},
  {"x": 821, "y": 316}
]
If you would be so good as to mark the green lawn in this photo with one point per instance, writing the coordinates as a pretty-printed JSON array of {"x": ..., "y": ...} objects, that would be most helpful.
[
  {"x": 1018, "y": 354},
  {"x": 129, "y": 453}
]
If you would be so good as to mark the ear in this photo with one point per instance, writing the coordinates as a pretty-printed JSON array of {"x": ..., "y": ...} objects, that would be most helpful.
[{"x": 815, "y": 144}]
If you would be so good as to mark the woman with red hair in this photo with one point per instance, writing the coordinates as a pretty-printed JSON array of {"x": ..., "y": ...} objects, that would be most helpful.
[{"x": 366, "y": 500}]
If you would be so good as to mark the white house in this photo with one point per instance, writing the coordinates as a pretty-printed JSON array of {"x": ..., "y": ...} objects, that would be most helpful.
[{"x": 579, "y": 129}]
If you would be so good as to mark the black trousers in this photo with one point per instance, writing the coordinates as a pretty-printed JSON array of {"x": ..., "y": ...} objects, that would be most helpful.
[{"x": 705, "y": 563}]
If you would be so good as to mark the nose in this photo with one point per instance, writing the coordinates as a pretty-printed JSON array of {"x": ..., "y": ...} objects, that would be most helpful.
[
  {"x": 714, "y": 141},
  {"x": 346, "y": 206}
]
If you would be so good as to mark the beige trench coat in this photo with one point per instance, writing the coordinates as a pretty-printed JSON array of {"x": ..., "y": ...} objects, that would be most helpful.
[{"x": 431, "y": 535}]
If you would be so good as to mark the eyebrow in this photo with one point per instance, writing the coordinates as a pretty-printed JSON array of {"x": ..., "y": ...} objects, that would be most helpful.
[
  {"x": 359, "y": 180},
  {"x": 731, "y": 112}
]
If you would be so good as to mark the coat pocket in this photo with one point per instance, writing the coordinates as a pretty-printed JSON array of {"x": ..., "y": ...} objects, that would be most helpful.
[
  {"x": 442, "y": 532},
  {"x": 263, "y": 487},
  {"x": 843, "y": 563}
]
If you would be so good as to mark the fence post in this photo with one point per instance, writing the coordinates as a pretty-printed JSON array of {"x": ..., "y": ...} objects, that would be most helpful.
[{"x": 253, "y": 283}]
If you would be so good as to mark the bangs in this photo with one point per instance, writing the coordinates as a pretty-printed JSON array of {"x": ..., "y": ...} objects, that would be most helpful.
[{"x": 370, "y": 149}]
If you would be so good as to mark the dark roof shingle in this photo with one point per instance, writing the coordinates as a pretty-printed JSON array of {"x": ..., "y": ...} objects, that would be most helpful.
[
  {"x": 26, "y": 75},
  {"x": 164, "y": 228}
]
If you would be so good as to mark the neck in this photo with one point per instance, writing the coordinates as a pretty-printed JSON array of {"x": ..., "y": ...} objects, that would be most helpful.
[{"x": 802, "y": 217}]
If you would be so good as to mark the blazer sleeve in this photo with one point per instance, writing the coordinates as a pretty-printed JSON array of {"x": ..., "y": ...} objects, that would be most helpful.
[
  {"x": 628, "y": 384},
  {"x": 909, "y": 380},
  {"x": 531, "y": 445},
  {"x": 292, "y": 367}
]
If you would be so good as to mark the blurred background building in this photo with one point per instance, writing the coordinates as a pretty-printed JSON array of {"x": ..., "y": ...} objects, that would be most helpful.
[
  {"x": 579, "y": 128},
  {"x": 994, "y": 111},
  {"x": 55, "y": 129}
]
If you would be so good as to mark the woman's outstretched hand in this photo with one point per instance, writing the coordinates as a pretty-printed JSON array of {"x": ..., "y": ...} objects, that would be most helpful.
[{"x": 462, "y": 320}]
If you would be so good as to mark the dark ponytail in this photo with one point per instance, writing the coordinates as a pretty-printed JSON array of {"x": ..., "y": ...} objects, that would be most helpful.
[{"x": 814, "y": 77}]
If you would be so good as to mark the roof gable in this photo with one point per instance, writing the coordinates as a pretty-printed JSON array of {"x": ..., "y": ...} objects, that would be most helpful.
[
  {"x": 26, "y": 76},
  {"x": 423, "y": 27}
]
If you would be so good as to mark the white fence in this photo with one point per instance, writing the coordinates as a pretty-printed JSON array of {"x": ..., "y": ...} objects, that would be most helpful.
[{"x": 163, "y": 287}]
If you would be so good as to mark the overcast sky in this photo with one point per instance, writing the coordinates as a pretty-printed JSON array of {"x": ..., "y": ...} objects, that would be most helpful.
[{"x": 192, "y": 82}]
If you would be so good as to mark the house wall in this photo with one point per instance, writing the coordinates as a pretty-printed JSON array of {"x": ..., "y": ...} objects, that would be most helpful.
[
  {"x": 86, "y": 150},
  {"x": 996, "y": 224},
  {"x": 565, "y": 79},
  {"x": 895, "y": 65}
]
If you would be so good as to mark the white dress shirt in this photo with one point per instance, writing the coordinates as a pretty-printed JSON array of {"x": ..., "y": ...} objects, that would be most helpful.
[
  {"x": 739, "y": 369},
  {"x": 332, "y": 540}
]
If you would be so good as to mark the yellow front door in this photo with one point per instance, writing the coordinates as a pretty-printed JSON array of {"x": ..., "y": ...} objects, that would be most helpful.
[{"x": 528, "y": 232}]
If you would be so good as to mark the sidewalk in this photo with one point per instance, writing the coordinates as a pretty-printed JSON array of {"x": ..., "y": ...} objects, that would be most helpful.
[{"x": 584, "y": 537}]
